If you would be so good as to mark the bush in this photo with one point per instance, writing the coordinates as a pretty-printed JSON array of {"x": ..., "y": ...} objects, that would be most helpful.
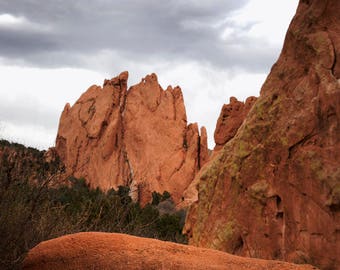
[{"x": 31, "y": 213}]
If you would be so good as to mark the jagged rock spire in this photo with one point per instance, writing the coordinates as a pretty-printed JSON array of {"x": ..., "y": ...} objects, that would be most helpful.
[{"x": 138, "y": 137}]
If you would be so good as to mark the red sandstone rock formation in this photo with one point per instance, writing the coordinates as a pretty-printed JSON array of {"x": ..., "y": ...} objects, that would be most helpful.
[
  {"x": 231, "y": 117},
  {"x": 273, "y": 191},
  {"x": 119, "y": 251},
  {"x": 138, "y": 137},
  {"x": 20, "y": 163}
]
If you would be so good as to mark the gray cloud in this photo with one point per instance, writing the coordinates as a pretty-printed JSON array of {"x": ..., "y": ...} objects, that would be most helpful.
[
  {"x": 136, "y": 30},
  {"x": 26, "y": 111}
]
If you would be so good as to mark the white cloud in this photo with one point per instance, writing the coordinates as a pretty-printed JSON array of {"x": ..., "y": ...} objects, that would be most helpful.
[
  {"x": 206, "y": 89},
  {"x": 48, "y": 87},
  {"x": 206, "y": 86},
  {"x": 32, "y": 100},
  {"x": 9, "y": 21},
  {"x": 42, "y": 93},
  {"x": 271, "y": 19},
  {"x": 29, "y": 135}
]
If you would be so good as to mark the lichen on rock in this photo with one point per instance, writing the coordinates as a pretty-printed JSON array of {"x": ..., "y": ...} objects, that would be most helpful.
[{"x": 277, "y": 178}]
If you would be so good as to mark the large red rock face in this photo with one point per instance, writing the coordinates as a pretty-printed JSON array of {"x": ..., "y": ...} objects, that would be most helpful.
[
  {"x": 273, "y": 190},
  {"x": 119, "y": 251},
  {"x": 138, "y": 137}
]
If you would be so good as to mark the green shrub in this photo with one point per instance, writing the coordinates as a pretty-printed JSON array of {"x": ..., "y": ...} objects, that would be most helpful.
[{"x": 30, "y": 213}]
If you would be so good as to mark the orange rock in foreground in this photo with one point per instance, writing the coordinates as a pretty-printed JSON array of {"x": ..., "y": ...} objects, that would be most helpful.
[{"x": 118, "y": 251}]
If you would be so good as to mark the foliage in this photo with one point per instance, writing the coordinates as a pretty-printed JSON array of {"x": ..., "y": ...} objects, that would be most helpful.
[
  {"x": 157, "y": 197},
  {"x": 31, "y": 213}
]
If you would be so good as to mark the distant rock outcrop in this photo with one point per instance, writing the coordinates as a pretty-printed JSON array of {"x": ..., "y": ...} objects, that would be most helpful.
[
  {"x": 118, "y": 251},
  {"x": 231, "y": 117},
  {"x": 138, "y": 138},
  {"x": 19, "y": 164},
  {"x": 273, "y": 190}
]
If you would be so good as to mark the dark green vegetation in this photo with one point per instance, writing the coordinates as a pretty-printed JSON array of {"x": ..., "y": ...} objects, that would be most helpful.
[{"x": 31, "y": 213}]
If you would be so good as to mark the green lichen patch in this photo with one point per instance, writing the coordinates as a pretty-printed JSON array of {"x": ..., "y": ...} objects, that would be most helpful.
[
  {"x": 224, "y": 235},
  {"x": 259, "y": 189}
]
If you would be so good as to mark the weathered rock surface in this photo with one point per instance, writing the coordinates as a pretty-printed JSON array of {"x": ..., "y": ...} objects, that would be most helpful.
[
  {"x": 273, "y": 191},
  {"x": 231, "y": 117},
  {"x": 20, "y": 163},
  {"x": 119, "y": 251},
  {"x": 138, "y": 137}
]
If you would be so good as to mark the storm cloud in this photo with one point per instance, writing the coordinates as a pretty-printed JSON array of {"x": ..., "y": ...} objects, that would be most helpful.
[
  {"x": 72, "y": 33},
  {"x": 51, "y": 51}
]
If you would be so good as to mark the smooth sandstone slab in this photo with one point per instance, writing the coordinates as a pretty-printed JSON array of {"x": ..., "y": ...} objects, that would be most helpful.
[{"x": 96, "y": 250}]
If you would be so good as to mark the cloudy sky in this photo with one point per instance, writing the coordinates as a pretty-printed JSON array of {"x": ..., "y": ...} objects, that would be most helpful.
[{"x": 53, "y": 50}]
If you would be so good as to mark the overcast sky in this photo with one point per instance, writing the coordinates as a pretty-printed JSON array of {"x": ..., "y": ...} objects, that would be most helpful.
[{"x": 53, "y": 50}]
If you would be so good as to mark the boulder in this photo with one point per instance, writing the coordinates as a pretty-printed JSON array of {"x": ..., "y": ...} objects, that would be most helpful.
[{"x": 118, "y": 251}]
